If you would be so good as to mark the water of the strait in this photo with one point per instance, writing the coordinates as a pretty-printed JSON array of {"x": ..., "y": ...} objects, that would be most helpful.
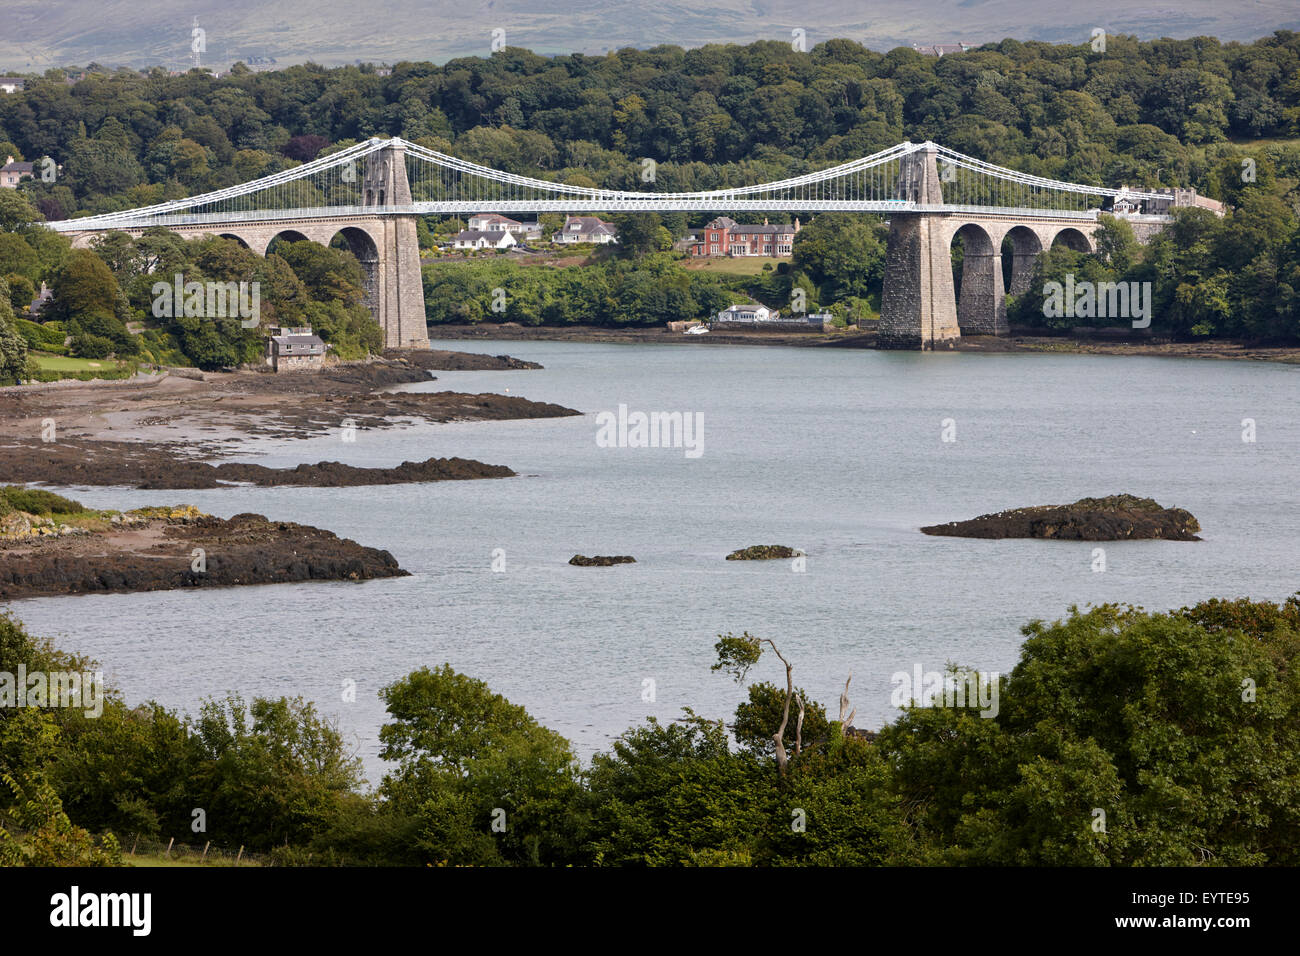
[{"x": 836, "y": 452}]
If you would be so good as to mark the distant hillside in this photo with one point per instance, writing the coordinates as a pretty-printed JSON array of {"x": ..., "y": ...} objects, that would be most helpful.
[{"x": 39, "y": 34}]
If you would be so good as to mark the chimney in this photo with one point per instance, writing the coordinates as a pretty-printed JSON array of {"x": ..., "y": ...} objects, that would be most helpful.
[
  {"x": 796, "y": 223},
  {"x": 765, "y": 220}
]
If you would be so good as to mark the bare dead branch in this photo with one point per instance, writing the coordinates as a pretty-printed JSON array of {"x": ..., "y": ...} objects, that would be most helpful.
[
  {"x": 844, "y": 705},
  {"x": 798, "y": 728}
]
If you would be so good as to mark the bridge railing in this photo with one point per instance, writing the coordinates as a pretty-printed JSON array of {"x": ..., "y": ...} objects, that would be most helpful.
[
  {"x": 447, "y": 185},
  {"x": 465, "y": 208}
]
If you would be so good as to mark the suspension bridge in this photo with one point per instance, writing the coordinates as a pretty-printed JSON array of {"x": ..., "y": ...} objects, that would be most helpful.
[{"x": 371, "y": 194}]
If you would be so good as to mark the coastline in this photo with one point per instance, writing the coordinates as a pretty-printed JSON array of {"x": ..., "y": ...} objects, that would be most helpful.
[
  {"x": 1022, "y": 344},
  {"x": 178, "y": 547},
  {"x": 170, "y": 432},
  {"x": 177, "y": 431}
]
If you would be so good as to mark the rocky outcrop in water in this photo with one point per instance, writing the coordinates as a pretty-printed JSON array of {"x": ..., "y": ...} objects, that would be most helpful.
[
  {"x": 764, "y": 552},
  {"x": 1113, "y": 518},
  {"x": 167, "y": 548},
  {"x": 601, "y": 560},
  {"x": 441, "y": 360}
]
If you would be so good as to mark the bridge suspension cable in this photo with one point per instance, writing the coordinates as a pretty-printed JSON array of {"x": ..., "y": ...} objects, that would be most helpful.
[{"x": 333, "y": 185}]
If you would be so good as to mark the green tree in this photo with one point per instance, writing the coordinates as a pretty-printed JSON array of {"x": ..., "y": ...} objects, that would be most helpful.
[
  {"x": 1179, "y": 728},
  {"x": 13, "y": 347},
  {"x": 487, "y": 783},
  {"x": 270, "y": 773},
  {"x": 34, "y": 830},
  {"x": 842, "y": 254}
]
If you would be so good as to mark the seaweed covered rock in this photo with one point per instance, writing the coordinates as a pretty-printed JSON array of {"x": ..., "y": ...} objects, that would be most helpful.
[
  {"x": 601, "y": 560},
  {"x": 763, "y": 552}
]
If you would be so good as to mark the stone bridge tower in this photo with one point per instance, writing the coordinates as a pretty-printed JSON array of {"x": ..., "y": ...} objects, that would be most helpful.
[
  {"x": 918, "y": 307},
  {"x": 394, "y": 286}
]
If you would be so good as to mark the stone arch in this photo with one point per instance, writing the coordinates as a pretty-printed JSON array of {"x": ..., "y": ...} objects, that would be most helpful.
[
  {"x": 365, "y": 246},
  {"x": 285, "y": 235},
  {"x": 981, "y": 301},
  {"x": 1020, "y": 248},
  {"x": 1073, "y": 238},
  {"x": 236, "y": 237}
]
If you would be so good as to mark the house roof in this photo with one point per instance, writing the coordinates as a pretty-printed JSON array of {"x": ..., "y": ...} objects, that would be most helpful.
[
  {"x": 589, "y": 225},
  {"x": 41, "y": 298},
  {"x": 762, "y": 230},
  {"x": 17, "y": 167},
  {"x": 472, "y": 235},
  {"x": 722, "y": 222},
  {"x": 494, "y": 217},
  {"x": 308, "y": 343}
]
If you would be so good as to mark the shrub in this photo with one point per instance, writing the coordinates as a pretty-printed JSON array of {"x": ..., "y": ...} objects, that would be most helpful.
[
  {"x": 38, "y": 336},
  {"x": 91, "y": 346},
  {"x": 37, "y": 501}
]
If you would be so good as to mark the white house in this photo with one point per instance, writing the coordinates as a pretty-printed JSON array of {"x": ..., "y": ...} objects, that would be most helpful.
[
  {"x": 478, "y": 239},
  {"x": 749, "y": 312},
  {"x": 491, "y": 222},
  {"x": 586, "y": 229}
]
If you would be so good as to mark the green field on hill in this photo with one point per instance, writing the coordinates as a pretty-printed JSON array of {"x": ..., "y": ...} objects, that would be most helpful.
[
  {"x": 738, "y": 266},
  {"x": 65, "y": 363}
]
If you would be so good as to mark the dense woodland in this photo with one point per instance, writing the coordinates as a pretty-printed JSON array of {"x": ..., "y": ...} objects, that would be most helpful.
[
  {"x": 1167, "y": 112},
  {"x": 1121, "y": 737}
]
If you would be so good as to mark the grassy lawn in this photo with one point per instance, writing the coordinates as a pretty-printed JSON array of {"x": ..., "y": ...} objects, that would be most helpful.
[
  {"x": 64, "y": 363},
  {"x": 738, "y": 266}
]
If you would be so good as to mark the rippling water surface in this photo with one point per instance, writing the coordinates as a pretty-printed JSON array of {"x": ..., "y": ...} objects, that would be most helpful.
[{"x": 835, "y": 452}]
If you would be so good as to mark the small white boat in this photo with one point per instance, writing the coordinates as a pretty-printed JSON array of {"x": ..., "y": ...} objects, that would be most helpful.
[{"x": 697, "y": 330}]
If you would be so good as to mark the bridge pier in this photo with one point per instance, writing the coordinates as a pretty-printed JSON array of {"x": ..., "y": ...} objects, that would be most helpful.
[
  {"x": 1022, "y": 271},
  {"x": 395, "y": 286},
  {"x": 917, "y": 306},
  {"x": 982, "y": 308}
]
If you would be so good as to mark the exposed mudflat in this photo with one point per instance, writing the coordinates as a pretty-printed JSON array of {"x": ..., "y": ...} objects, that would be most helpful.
[
  {"x": 148, "y": 465},
  {"x": 165, "y": 432}
]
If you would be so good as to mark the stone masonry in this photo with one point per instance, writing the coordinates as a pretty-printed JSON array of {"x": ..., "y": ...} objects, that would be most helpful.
[{"x": 920, "y": 308}]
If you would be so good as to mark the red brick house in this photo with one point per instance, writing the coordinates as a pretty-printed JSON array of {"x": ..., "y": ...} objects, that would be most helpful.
[{"x": 726, "y": 237}]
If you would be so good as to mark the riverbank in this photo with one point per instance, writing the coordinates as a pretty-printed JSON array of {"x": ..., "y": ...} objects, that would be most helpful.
[
  {"x": 165, "y": 432},
  {"x": 867, "y": 340}
]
